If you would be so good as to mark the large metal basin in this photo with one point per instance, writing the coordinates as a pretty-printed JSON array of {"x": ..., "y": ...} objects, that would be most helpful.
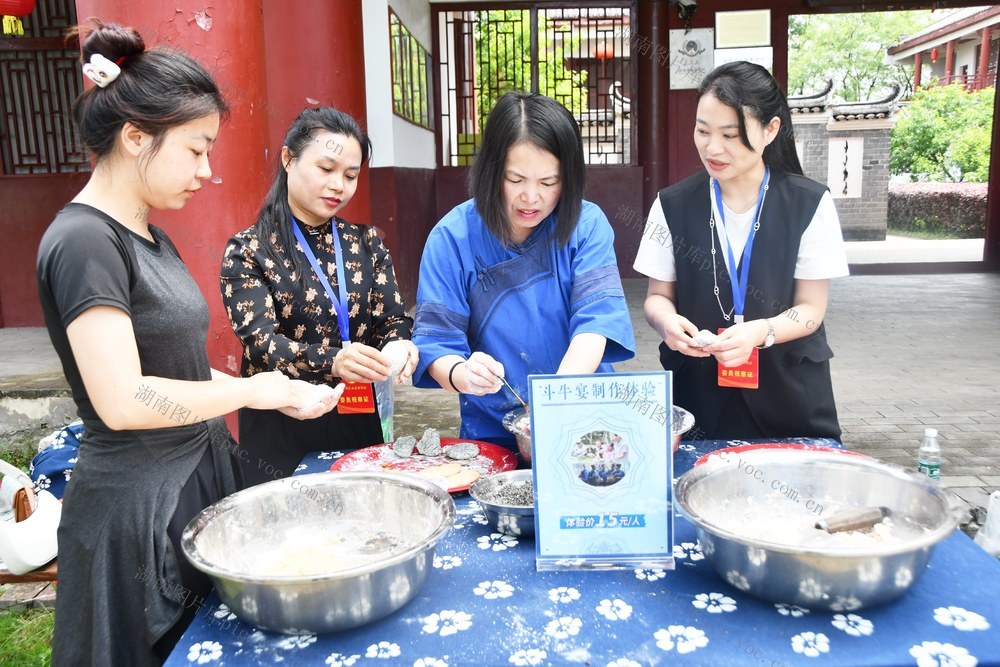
[
  {"x": 773, "y": 554},
  {"x": 322, "y": 552}
]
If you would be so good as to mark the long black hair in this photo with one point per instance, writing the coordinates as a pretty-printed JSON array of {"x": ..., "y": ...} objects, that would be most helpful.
[
  {"x": 157, "y": 90},
  {"x": 273, "y": 226},
  {"x": 541, "y": 121},
  {"x": 749, "y": 88}
]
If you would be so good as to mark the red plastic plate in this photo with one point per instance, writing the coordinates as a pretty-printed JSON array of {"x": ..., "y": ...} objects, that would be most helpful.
[
  {"x": 780, "y": 445},
  {"x": 377, "y": 458}
]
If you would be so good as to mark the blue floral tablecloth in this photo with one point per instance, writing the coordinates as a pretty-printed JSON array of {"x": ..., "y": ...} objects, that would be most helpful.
[{"x": 485, "y": 604}]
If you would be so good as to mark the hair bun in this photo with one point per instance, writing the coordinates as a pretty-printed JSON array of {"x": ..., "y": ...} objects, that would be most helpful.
[{"x": 111, "y": 40}]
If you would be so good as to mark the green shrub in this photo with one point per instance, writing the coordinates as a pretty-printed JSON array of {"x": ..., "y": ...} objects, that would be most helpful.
[
  {"x": 944, "y": 134},
  {"x": 954, "y": 210}
]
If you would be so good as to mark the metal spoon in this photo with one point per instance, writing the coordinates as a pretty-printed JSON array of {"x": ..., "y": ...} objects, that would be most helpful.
[
  {"x": 854, "y": 518},
  {"x": 512, "y": 391}
]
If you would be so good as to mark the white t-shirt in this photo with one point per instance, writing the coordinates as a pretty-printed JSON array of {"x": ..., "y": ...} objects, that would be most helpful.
[{"x": 821, "y": 251}]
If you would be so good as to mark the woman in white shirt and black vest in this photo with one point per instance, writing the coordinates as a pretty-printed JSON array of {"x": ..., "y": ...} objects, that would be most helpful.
[{"x": 739, "y": 258}]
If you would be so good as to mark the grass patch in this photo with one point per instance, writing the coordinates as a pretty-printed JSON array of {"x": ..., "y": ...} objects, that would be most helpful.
[
  {"x": 26, "y": 637},
  {"x": 20, "y": 452},
  {"x": 18, "y": 458},
  {"x": 930, "y": 235}
]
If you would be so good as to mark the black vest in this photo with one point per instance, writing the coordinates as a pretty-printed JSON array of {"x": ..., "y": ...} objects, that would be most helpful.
[{"x": 795, "y": 396}]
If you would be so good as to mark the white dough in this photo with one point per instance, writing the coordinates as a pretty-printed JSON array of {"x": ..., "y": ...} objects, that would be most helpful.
[
  {"x": 396, "y": 351},
  {"x": 704, "y": 337},
  {"x": 321, "y": 391}
]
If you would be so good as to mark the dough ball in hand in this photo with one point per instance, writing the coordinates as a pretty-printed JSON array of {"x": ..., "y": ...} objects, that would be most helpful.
[{"x": 396, "y": 351}]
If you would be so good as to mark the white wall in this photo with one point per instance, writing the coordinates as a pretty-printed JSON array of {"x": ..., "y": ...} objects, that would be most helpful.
[
  {"x": 416, "y": 16},
  {"x": 965, "y": 54},
  {"x": 397, "y": 142}
]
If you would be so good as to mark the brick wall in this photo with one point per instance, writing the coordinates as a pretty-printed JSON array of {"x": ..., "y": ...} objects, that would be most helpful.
[
  {"x": 864, "y": 218},
  {"x": 861, "y": 218}
]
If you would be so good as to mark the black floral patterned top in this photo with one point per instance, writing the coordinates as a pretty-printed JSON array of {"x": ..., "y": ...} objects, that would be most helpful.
[{"x": 283, "y": 328}]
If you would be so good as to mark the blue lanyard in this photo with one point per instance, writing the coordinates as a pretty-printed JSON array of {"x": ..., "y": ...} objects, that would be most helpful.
[
  {"x": 339, "y": 305},
  {"x": 739, "y": 282}
]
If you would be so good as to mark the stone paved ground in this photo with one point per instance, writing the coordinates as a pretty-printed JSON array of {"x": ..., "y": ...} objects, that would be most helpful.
[{"x": 921, "y": 351}]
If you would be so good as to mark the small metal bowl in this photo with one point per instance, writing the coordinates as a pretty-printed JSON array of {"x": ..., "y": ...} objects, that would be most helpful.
[
  {"x": 521, "y": 436},
  {"x": 322, "y": 552},
  {"x": 753, "y": 512},
  {"x": 681, "y": 423},
  {"x": 517, "y": 520}
]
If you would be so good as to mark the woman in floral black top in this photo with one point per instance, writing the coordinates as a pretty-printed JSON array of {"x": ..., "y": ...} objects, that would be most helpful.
[{"x": 282, "y": 312}]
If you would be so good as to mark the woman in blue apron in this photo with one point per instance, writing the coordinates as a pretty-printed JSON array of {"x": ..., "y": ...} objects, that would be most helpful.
[
  {"x": 745, "y": 250},
  {"x": 315, "y": 297},
  {"x": 130, "y": 325},
  {"x": 522, "y": 278}
]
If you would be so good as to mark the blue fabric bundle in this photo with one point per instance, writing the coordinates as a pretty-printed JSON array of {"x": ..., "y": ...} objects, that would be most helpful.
[{"x": 52, "y": 467}]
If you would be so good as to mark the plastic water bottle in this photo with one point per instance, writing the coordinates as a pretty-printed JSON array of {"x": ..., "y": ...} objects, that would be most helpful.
[
  {"x": 384, "y": 400},
  {"x": 929, "y": 459},
  {"x": 988, "y": 536}
]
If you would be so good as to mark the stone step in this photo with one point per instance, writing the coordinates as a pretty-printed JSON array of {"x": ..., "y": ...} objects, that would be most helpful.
[{"x": 19, "y": 597}]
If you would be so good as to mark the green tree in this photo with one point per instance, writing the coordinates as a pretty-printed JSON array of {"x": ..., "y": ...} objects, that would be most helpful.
[
  {"x": 503, "y": 59},
  {"x": 944, "y": 134},
  {"x": 851, "y": 50}
]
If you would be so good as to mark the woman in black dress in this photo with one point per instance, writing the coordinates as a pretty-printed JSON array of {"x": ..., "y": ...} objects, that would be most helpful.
[
  {"x": 130, "y": 326},
  {"x": 352, "y": 328}
]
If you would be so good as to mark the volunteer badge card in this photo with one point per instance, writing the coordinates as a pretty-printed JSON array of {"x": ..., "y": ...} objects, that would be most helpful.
[{"x": 602, "y": 464}]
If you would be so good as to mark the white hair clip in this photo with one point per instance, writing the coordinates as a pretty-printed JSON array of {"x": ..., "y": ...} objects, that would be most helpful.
[{"x": 101, "y": 71}]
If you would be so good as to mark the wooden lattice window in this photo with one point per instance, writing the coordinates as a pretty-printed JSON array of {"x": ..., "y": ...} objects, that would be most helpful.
[
  {"x": 411, "y": 65},
  {"x": 39, "y": 80},
  {"x": 578, "y": 55}
]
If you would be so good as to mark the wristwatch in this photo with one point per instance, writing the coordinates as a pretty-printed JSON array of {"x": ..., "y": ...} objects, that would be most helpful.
[{"x": 769, "y": 338}]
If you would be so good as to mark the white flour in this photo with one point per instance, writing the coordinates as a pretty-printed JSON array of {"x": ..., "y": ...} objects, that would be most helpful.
[
  {"x": 775, "y": 518},
  {"x": 316, "y": 550}
]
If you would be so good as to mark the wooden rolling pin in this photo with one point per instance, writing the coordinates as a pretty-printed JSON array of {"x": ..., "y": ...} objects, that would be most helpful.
[{"x": 855, "y": 518}]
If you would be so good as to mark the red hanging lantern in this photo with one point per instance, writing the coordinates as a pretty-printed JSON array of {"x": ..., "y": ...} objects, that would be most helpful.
[
  {"x": 934, "y": 55},
  {"x": 12, "y": 11},
  {"x": 604, "y": 51}
]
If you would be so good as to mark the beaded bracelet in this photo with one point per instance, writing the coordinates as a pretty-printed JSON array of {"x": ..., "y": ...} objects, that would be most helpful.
[{"x": 451, "y": 375}]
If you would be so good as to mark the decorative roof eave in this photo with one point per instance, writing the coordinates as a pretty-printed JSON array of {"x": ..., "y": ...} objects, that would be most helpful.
[
  {"x": 595, "y": 117},
  {"x": 921, "y": 42},
  {"x": 815, "y": 103},
  {"x": 868, "y": 110},
  {"x": 622, "y": 104}
]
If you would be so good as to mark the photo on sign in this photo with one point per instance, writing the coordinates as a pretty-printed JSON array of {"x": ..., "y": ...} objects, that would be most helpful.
[{"x": 600, "y": 458}]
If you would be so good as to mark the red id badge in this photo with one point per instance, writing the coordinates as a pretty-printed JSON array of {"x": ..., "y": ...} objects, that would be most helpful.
[
  {"x": 740, "y": 377},
  {"x": 357, "y": 399}
]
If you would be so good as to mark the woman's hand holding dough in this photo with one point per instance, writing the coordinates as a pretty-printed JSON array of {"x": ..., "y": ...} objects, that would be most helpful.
[
  {"x": 361, "y": 363},
  {"x": 481, "y": 374}
]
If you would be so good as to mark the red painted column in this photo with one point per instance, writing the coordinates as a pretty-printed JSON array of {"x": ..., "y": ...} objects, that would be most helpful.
[
  {"x": 991, "y": 246},
  {"x": 779, "y": 43},
  {"x": 949, "y": 63},
  {"x": 984, "y": 60},
  {"x": 228, "y": 40},
  {"x": 918, "y": 63},
  {"x": 315, "y": 57},
  {"x": 650, "y": 101}
]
